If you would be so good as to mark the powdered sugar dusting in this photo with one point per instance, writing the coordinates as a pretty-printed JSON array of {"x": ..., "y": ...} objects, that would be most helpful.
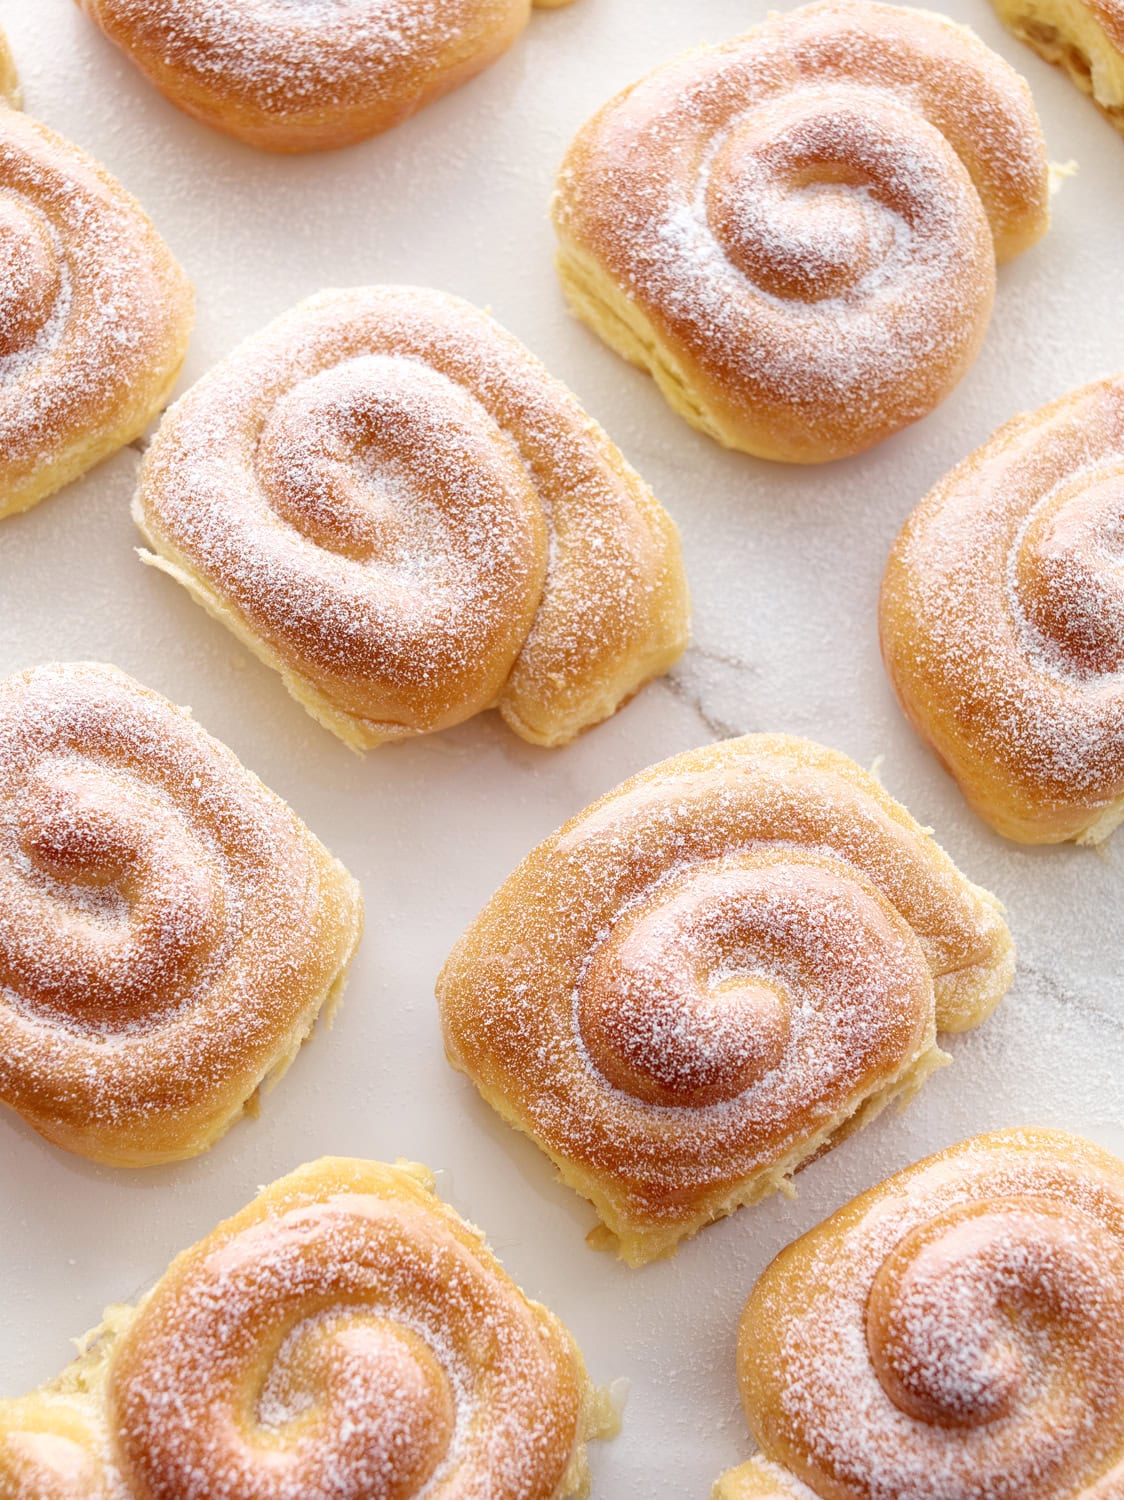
[
  {"x": 955, "y": 1334},
  {"x": 395, "y": 497},
  {"x": 92, "y": 308},
  {"x": 344, "y": 1344},
  {"x": 166, "y": 924},
  {"x": 284, "y": 54},
  {"x": 1002, "y": 613},
  {"x": 808, "y": 217},
  {"x": 696, "y": 974},
  {"x": 298, "y": 74},
  {"x": 669, "y": 1005}
]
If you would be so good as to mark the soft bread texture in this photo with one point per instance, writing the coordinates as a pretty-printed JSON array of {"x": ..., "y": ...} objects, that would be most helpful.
[
  {"x": 955, "y": 1333},
  {"x": 796, "y": 233},
  {"x": 303, "y": 78},
  {"x": 759, "y": 1480},
  {"x": 1083, "y": 37},
  {"x": 392, "y": 503},
  {"x": 347, "y": 1334},
  {"x": 169, "y": 929},
  {"x": 1002, "y": 621},
  {"x": 94, "y": 311},
  {"x": 714, "y": 974},
  {"x": 9, "y": 79}
]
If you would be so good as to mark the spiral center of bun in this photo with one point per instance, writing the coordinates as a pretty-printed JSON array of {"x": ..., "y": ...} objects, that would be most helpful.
[
  {"x": 816, "y": 196},
  {"x": 1069, "y": 571},
  {"x": 31, "y": 281},
  {"x": 386, "y": 461},
  {"x": 133, "y": 900},
  {"x": 407, "y": 538},
  {"x": 993, "y": 1305},
  {"x": 690, "y": 998},
  {"x": 319, "y": 1378},
  {"x": 71, "y": 827},
  {"x": 674, "y": 1009}
]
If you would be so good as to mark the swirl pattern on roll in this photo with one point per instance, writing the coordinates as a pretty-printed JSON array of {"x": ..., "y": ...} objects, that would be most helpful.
[
  {"x": 169, "y": 929},
  {"x": 711, "y": 975},
  {"x": 94, "y": 311},
  {"x": 348, "y": 1336},
  {"x": 394, "y": 504},
  {"x": 1002, "y": 619},
  {"x": 954, "y": 1333},
  {"x": 309, "y": 77},
  {"x": 796, "y": 232}
]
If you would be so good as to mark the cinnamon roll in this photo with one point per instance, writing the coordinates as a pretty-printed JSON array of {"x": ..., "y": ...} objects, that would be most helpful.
[
  {"x": 309, "y": 77},
  {"x": 796, "y": 233},
  {"x": 347, "y": 1336},
  {"x": 94, "y": 312},
  {"x": 169, "y": 929},
  {"x": 393, "y": 504},
  {"x": 957, "y": 1332},
  {"x": 1002, "y": 620},
  {"x": 1085, "y": 38},
  {"x": 712, "y": 975}
]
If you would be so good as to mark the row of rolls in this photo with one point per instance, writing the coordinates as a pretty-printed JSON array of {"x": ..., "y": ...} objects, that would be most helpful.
[
  {"x": 706, "y": 980},
  {"x": 954, "y": 1331},
  {"x": 395, "y": 505},
  {"x": 289, "y": 82},
  {"x": 703, "y": 982}
]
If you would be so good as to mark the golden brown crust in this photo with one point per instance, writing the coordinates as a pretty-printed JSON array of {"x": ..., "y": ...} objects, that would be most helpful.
[
  {"x": 954, "y": 1333},
  {"x": 714, "y": 973},
  {"x": 347, "y": 1334},
  {"x": 169, "y": 929},
  {"x": 1001, "y": 619},
  {"x": 393, "y": 503},
  {"x": 796, "y": 232},
  {"x": 288, "y": 82},
  {"x": 94, "y": 311}
]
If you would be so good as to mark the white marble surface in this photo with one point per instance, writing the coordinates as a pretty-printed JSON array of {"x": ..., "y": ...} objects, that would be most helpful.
[{"x": 785, "y": 567}]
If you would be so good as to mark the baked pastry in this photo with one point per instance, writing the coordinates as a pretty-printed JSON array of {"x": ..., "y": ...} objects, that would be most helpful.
[
  {"x": 957, "y": 1332},
  {"x": 796, "y": 233},
  {"x": 309, "y": 78},
  {"x": 169, "y": 929},
  {"x": 1002, "y": 622},
  {"x": 347, "y": 1336},
  {"x": 393, "y": 504},
  {"x": 712, "y": 975},
  {"x": 94, "y": 312},
  {"x": 9, "y": 79},
  {"x": 1084, "y": 37}
]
